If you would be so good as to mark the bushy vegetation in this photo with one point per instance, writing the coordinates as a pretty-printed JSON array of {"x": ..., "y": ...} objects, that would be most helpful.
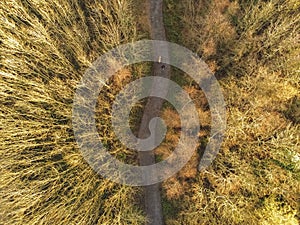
[
  {"x": 45, "y": 48},
  {"x": 253, "y": 47}
]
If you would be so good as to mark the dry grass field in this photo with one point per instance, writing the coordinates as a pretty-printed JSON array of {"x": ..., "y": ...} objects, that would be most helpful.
[
  {"x": 45, "y": 48},
  {"x": 253, "y": 47}
]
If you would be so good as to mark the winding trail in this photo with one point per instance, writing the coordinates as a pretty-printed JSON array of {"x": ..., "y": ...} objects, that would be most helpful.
[{"x": 152, "y": 193}]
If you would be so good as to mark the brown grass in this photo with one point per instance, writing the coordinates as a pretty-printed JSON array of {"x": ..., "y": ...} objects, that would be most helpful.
[
  {"x": 45, "y": 48},
  {"x": 254, "y": 47}
]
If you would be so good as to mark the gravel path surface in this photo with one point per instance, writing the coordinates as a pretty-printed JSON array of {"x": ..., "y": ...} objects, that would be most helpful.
[{"x": 152, "y": 193}]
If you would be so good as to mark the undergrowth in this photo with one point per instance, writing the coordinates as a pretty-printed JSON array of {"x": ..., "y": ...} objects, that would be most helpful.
[
  {"x": 45, "y": 49},
  {"x": 253, "y": 48}
]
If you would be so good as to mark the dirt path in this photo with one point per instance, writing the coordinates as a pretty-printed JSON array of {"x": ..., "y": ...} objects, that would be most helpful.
[{"x": 152, "y": 193}]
